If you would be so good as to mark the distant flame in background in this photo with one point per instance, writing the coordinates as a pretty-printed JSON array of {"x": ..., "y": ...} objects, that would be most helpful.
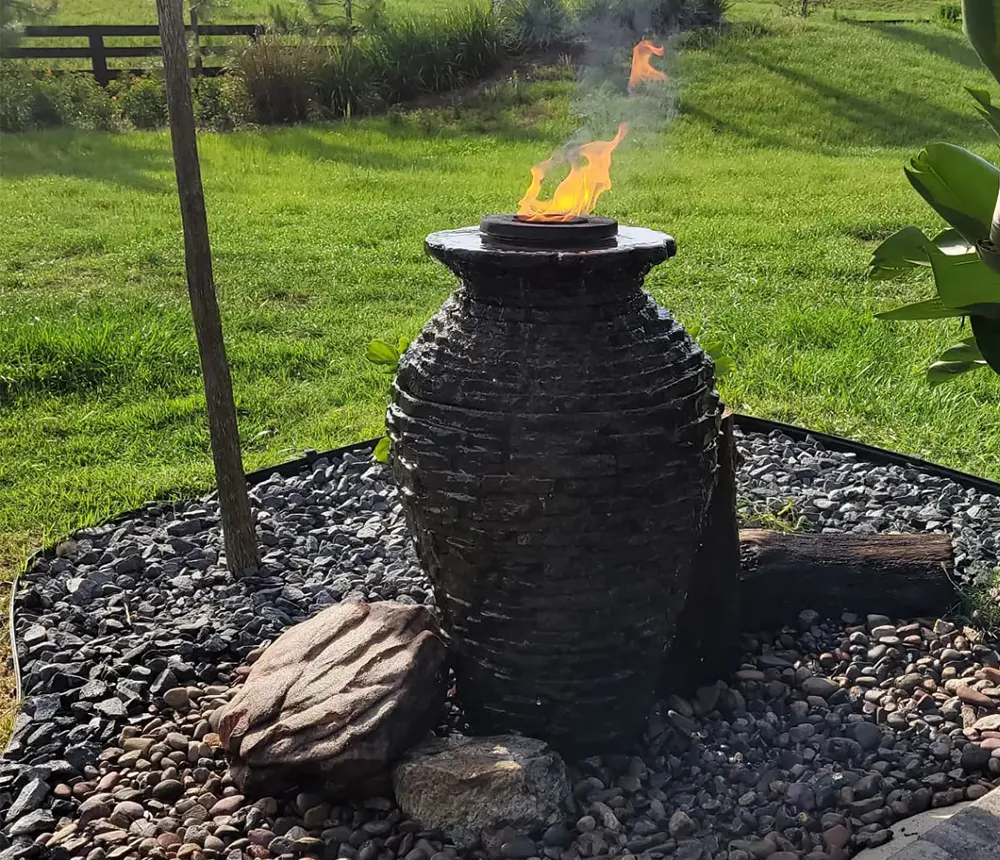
[
  {"x": 590, "y": 163},
  {"x": 642, "y": 69}
]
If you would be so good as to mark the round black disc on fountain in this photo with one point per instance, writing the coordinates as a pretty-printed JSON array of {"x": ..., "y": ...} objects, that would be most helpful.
[{"x": 579, "y": 232}]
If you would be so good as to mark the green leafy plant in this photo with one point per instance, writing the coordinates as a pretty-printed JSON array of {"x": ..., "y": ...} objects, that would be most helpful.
[
  {"x": 980, "y": 602},
  {"x": 386, "y": 356},
  {"x": 279, "y": 77},
  {"x": 31, "y": 100},
  {"x": 715, "y": 348},
  {"x": 142, "y": 101},
  {"x": 950, "y": 14},
  {"x": 15, "y": 15},
  {"x": 537, "y": 24},
  {"x": 964, "y": 259}
]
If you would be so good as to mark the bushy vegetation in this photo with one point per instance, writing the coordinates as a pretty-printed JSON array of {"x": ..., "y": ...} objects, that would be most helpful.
[
  {"x": 950, "y": 14},
  {"x": 322, "y": 66},
  {"x": 32, "y": 100}
]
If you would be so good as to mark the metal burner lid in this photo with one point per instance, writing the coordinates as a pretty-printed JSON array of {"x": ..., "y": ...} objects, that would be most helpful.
[{"x": 582, "y": 232}]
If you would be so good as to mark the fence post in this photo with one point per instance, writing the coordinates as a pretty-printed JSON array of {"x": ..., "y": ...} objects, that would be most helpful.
[
  {"x": 99, "y": 62},
  {"x": 195, "y": 43}
]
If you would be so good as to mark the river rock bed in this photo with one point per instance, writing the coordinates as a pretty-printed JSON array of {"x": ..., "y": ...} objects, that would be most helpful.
[{"x": 133, "y": 633}]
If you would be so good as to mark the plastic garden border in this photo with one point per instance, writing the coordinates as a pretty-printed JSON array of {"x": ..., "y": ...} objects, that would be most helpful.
[{"x": 746, "y": 423}]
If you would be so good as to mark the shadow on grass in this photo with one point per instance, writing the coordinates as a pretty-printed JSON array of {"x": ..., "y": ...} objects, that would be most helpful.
[
  {"x": 322, "y": 143},
  {"x": 95, "y": 156},
  {"x": 929, "y": 37},
  {"x": 895, "y": 119}
]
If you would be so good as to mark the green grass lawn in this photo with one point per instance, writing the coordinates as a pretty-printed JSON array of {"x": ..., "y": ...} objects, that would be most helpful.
[
  {"x": 225, "y": 12},
  {"x": 779, "y": 172}
]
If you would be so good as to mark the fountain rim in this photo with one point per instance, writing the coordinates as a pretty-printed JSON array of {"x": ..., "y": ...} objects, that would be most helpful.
[{"x": 472, "y": 242}]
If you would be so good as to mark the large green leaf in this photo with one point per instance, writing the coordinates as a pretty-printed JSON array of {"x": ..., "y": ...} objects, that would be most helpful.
[
  {"x": 987, "y": 110},
  {"x": 902, "y": 251},
  {"x": 963, "y": 280},
  {"x": 959, "y": 185},
  {"x": 987, "y": 332},
  {"x": 945, "y": 371},
  {"x": 967, "y": 350},
  {"x": 982, "y": 27},
  {"x": 950, "y": 242},
  {"x": 931, "y": 309}
]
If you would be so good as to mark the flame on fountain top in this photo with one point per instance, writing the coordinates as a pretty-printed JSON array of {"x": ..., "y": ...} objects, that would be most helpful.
[
  {"x": 589, "y": 163},
  {"x": 589, "y": 177}
]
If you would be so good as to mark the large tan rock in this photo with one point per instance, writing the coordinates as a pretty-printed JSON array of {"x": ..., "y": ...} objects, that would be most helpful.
[
  {"x": 338, "y": 697},
  {"x": 468, "y": 786}
]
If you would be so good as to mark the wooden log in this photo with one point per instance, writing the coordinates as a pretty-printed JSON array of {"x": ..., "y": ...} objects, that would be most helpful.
[
  {"x": 234, "y": 503},
  {"x": 899, "y": 575},
  {"x": 706, "y": 645}
]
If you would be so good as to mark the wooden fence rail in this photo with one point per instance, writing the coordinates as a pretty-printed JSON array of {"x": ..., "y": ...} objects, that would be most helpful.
[{"x": 98, "y": 53}]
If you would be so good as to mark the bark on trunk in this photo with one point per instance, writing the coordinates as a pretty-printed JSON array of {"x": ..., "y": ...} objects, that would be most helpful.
[
  {"x": 234, "y": 504},
  {"x": 895, "y": 575}
]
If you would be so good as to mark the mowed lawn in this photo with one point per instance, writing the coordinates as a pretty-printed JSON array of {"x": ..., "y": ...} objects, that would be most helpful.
[
  {"x": 222, "y": 11},
  {"x": 779, "y": 172}
]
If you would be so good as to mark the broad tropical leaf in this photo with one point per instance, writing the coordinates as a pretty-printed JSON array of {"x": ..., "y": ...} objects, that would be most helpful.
[
  {"x": 987, "y": 332},
  {"x": 964, "y": 281},
  {"x": 964, "y": 351},
  {"x": 945, "y": 371},
  {"x": 960, "y": 186},
  {"x": 902, "y": 251},
  {"x": 987, "y": 110},
  {"x": 950, "y": 242},
  {"x": 931, "y": 309},
  {"x": 982, "y": 27}
]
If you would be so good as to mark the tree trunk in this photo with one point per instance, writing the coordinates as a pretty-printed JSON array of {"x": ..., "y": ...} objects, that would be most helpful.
[
  {"x": 237, "y": 523},
  {"x": 890, "y": 574}
]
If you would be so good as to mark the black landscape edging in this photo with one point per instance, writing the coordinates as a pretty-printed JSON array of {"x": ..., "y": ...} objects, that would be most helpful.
[
  {"x": 881, "y": 456},
  {"x": 746, "y": 423}
]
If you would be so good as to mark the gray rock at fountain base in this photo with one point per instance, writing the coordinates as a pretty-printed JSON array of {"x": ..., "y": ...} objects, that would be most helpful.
[
  {"x": 338, "y": 698},
  {"x": 465, "y": 786}
]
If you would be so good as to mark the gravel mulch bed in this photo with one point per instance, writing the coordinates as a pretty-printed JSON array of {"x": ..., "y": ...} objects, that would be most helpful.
[{"x": 132, "y": 637}]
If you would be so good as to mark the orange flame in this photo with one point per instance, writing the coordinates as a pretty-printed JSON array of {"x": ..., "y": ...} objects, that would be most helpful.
[
  {"x": 590, "y": 164},
  {"x": 642, "y": 69},
  {"x": 589, "y": 177}
]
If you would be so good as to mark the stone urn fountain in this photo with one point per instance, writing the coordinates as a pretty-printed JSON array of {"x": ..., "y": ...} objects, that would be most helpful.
[{"x": 554, "y": 438}]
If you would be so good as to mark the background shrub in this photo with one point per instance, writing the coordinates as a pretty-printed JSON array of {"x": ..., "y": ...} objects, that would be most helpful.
[
  {"x": 642, "y": 17},
  {"x": 950, "y": 13},
  {"x": 31, "y": 100},
  {"x": 310, "y": 68},
  {"x": 140, "y": 101},
  {"x": 218, "y": 102},
  {"x": 279, "y": 77},
  {"x": 535, "y": 24}
]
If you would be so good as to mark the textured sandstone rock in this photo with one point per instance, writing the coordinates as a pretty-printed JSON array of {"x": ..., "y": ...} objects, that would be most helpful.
[
  {"x": 340, "y": 696},
  {"x": 464, "y": 786}
]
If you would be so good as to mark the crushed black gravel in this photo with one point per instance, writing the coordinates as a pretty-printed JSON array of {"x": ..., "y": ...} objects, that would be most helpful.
[{"x": 134, "y": 632}]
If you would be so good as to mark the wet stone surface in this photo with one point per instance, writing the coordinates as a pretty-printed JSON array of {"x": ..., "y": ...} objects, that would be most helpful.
[{"x": 133, "y": 636}]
